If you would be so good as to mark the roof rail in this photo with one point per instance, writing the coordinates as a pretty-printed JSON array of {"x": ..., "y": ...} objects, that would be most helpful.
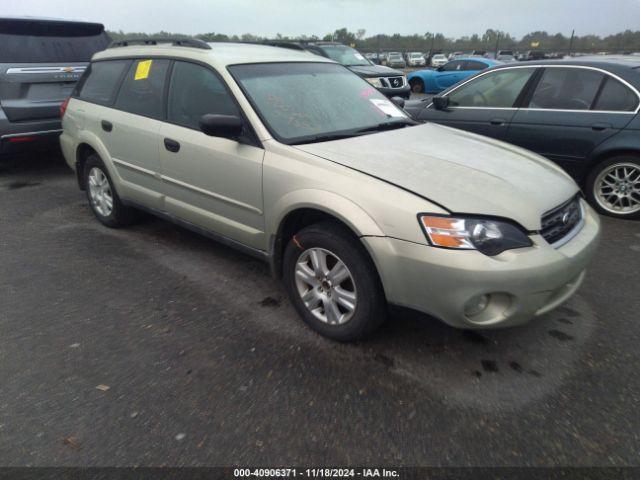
[
  {"x": 176, "y": 42},
  {"x": 292, "y": 44}
]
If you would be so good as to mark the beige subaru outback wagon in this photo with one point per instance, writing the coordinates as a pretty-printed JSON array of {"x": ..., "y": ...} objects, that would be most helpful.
[{"x": 296, "y": 160}]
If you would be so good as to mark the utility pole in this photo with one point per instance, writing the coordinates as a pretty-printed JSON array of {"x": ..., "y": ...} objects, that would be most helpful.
[
  {"x": 571, "y": 41},
  {"x": 497, "y": 44}
]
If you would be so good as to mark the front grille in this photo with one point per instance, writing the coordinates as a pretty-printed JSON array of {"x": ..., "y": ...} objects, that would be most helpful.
[
  {"x": 562, "y": 223},
  {"x": 395, "y": 82}
]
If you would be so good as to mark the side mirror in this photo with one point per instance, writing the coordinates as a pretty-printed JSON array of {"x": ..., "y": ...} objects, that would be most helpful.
[
  {"x": 398, "y": 101},
  {"x": 226, "y": 126},
  {"x": 440, "y": 103},
  {"x": 440, "y": 69}
]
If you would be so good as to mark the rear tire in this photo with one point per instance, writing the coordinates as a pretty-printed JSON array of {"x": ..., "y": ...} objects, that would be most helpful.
[
  {"x": 417, "y": 85},
  {"x": 613, "y": 187},
  {"x": 103, "y": 198},
  {"x": 332, "y": 282}
]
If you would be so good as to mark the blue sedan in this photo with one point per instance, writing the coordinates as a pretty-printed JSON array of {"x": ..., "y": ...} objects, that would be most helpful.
[{"x": 435, "y": 81}]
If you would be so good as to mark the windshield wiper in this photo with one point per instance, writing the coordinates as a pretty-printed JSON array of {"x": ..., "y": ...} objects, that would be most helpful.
[
  {"x": 325, "y": 137},
  {"x": 387, "y": 126}
]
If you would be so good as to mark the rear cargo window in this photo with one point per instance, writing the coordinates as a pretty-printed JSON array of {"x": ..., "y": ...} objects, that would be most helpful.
[
  {"x": 101, "y": 80},
  {"x": 36, "y": 41},
  {"x": 142, "y": 91}
]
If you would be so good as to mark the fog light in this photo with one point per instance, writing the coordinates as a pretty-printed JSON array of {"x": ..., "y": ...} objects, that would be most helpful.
[{"x": 476, "y": 305}]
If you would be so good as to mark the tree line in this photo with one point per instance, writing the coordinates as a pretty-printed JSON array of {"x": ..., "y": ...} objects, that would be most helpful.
[{"x": 627, "y": 41}]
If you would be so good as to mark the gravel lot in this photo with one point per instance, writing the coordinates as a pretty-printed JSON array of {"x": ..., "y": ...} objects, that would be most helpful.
[{"x": 155, "y": 346}]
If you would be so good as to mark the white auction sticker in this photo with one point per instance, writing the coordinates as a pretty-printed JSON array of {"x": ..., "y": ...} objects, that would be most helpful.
[
  {"x": 359, "y": 56},
  {"x": 387, "y": 107}
]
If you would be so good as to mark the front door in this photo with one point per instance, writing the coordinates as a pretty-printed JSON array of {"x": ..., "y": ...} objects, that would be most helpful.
[
  {"x": 212, "y": 182},
  {"x": 484, "y": 105}
]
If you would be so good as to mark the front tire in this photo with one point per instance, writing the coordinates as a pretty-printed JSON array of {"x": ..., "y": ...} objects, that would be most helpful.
[
  {"x": 613, "y": 187},
  {"x": 333, "y": 283},
  {"x": 417, "y": 85},
  {"x": 103, "y": 198}
]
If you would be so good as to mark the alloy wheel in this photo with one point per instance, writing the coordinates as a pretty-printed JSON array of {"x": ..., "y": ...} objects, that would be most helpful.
[
  {"x": 100, "y": 192},
  {"x": 326, "y": 286},
  {"x": 617, "y": 188}
]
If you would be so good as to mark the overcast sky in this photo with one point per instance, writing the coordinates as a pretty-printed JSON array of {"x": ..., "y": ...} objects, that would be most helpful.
[{"x": 296, "y": 17}]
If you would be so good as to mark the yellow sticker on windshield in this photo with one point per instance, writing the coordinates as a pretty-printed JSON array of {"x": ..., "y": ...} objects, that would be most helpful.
[{"x": 143, "y": 69}]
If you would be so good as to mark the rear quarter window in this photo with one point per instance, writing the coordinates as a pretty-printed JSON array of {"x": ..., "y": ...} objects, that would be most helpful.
[
  {"x": 99, "y": 83},
  {"x": 616, "y": 97}
]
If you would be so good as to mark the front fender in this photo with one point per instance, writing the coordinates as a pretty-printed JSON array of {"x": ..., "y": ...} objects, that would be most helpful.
[{"x": 352, "y": 215}]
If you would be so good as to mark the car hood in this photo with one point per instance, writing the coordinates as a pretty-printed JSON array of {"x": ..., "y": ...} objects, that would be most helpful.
[
  {"x": 375, "y": 71},
  {"x": 460, "y": 171}
]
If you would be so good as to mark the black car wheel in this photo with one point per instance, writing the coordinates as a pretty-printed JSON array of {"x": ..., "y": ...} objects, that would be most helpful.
[
  {"x": 417, "y": 85},
  {"x": 613, "y": 187},
  {"x": 333, "y": 283}
]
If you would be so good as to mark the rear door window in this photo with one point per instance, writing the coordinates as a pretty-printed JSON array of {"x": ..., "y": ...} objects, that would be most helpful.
[
  {"x": 101, "y": 81},
  {"x": 566, "y": 89},
  {"x": 616, "y": 97},
  {"x": 142, "y": 91},
  {"x": 194, "y": 92}
]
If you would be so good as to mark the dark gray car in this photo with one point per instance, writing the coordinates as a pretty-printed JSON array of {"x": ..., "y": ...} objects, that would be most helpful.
[
  {"x": 580, "y": 113},
  {"x": 40, "y": 62}
]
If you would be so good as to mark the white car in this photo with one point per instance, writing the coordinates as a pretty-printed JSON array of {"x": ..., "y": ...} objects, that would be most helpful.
[
  {"x": 438, "y": 60},
  {"x": 416, "y": 59}
]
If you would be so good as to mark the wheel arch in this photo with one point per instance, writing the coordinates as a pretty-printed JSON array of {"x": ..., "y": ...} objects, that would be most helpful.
[
  {"x": 88, "y": 144},
  {"x": 605, "y": 154},
  {"x": 301, "y": 214}
]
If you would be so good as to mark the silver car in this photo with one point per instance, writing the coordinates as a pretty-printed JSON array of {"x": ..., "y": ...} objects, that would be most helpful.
[{"x": 296, "y": 160}]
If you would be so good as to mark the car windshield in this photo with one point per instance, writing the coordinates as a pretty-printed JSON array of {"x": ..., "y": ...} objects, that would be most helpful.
[
  {"x": 347, "y": 56},
  {"x": 312, "y": 102},
  {"x": 416, "y": 55}
]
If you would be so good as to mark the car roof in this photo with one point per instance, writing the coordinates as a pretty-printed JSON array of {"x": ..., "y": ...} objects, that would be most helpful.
[
  {"x": 625, "y": 64},
  {"x": 219, "y": 55},
  {"x": 487, "y": 61}
]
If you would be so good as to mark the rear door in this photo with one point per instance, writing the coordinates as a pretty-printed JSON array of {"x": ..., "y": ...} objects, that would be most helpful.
[
  {"x": 129, "y": 128},
  {"x": 571, "y": 111},
  {"x": 40, "y": 62},
  {"x": 485, "y": 104}
]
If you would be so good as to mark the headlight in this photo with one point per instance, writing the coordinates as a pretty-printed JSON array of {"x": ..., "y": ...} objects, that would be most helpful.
[
  {"x": 488, "y": 236},
  {"x": 375, "y": 82}
]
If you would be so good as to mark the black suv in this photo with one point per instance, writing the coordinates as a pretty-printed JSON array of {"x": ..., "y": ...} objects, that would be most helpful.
[
  {"x": 390, "y": 82},
  {"x": 40, "y": 63}
]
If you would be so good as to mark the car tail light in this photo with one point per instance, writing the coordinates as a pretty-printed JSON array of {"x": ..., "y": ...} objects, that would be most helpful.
[{"x": 63, "y": 107}]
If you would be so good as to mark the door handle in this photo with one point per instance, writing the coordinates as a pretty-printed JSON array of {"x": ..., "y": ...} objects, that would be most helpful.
[
  {"x": 171, "y": 145},
  {"x": 598, "y": 127},
  {"x": 107, "y": 126},
  {"x": 497, "y": 121}
]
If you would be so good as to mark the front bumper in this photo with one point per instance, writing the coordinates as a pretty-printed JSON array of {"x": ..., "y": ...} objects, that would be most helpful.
[
  {"x": 521, "y": 284},
  {"x": 402, "y": 92}
]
